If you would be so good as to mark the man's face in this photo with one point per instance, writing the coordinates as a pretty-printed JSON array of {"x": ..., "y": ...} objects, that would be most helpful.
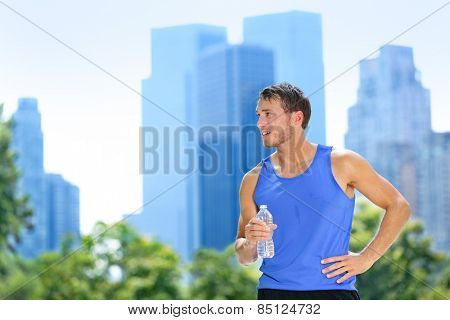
[{"x": 273, "y": 123}]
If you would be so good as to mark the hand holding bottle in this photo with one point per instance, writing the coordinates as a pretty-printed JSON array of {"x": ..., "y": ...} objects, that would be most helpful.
[{"x": 257, "y": 230}]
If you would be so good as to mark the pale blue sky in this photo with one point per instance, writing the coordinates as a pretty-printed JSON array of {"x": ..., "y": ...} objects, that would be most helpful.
[{"x": 91, "y": 122}]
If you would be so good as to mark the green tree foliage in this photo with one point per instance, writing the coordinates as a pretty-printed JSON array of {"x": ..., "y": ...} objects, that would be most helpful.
[
  {"x": 148, "y": 269},
  {"x": 441, "y": 286},
  {"x": 17, "y": 272},
  {"x": 218, "y": 275},
  {"x": 114, "y": 263}
]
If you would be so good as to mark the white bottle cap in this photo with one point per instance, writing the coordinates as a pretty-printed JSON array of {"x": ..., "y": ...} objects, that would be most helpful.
[{"x": 263, "y": 206}]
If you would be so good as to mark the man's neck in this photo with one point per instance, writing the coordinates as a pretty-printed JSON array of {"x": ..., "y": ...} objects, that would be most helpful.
[{"x": 295, "y": 154}]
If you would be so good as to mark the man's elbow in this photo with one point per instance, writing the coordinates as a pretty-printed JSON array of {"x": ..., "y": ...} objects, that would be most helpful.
[{"x": 404, "y": 207}]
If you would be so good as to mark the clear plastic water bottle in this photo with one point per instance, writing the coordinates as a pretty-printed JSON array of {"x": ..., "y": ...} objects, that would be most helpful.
[{"x": 265, "y": 248}]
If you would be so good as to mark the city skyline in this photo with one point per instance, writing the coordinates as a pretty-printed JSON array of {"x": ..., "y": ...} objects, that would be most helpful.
[{"x": 66, "y": 108}]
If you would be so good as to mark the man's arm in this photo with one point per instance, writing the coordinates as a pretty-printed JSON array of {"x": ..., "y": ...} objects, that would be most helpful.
[
  {"x": 250, "y": 229},
  {"x": 382, "y": 193},
  {"x": 361, "y": 176},
  {"x": 246, "y": 250}
]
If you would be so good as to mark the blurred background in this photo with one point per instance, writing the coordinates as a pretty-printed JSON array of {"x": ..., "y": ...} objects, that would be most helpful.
[{"x": 109, "y": 110}]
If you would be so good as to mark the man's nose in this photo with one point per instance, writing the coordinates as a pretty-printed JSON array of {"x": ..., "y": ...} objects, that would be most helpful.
[{"x": 261, "y": 123}]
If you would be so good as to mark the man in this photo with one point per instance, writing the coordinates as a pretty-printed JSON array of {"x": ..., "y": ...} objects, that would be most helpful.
[{"x": 310, "y": 191}]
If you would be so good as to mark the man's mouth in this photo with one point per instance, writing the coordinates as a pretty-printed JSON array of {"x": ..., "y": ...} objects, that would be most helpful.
[{"x": 265, "y": 132}]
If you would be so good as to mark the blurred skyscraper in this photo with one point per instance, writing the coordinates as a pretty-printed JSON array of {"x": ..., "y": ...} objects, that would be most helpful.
[
  {"x": 398, "y": 163},
  {"x": 392, "y": 104},
  {"x": 27, "y": 142},
  {"x": 54, "y": 201},
  {"x": 296, "y": 40},
  {"x": 174, "y": 53},
  {"x": 390, "y": 125},
  {"x": 229, "y": 79},
  {"x": 434, "y": 188},
  {"x": 63, "y": 212}
]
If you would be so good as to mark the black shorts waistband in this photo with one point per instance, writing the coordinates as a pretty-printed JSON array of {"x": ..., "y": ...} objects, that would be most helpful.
[{"x": 278, "y": 294}]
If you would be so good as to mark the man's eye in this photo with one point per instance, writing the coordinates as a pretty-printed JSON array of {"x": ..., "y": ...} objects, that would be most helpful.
[{"x": 267, "y": 114}]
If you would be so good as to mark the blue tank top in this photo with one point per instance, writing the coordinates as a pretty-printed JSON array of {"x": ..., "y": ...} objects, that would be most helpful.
[{"x": 314, "y": 218}]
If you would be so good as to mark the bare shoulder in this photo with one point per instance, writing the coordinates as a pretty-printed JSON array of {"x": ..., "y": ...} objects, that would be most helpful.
[
  {"x": 345, "y": 156},
  {"x": 348, "y": 163},
  {"x": 251, "y": 178}
]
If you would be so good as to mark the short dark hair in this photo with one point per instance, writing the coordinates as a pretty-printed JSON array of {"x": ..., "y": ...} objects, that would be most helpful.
[{"x": 292, "y": 99}]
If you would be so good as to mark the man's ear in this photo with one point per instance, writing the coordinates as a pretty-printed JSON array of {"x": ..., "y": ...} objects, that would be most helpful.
[{"x": 298, "y": 117}]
